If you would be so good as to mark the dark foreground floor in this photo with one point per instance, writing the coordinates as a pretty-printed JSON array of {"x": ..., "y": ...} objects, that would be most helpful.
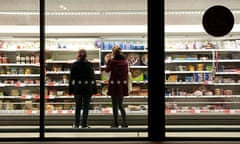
[{"x": 127, "y": 142}]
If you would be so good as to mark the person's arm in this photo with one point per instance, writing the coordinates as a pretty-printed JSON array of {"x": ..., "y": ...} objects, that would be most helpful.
[{"x": 108, "y": 67}]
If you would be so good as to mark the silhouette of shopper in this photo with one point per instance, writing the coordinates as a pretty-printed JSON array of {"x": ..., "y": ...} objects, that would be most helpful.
[
  {"x": 118, "y": 84},
  {"x": 82, "y": 84}
]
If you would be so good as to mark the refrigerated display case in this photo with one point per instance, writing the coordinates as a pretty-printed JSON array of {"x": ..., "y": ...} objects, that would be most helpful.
[
  {"x": 202, "y": 80},
  {"x": 201, "y": 71},
  {"x": 61, "y": 53},
  {"x": 19, "y": 79}
]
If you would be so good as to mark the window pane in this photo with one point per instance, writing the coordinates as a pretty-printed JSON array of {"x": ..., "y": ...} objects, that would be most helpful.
[
  {"x": 19, "y": 68},
  {"x": 202, "y": 81},
  {"x": 96, "y": 26}
]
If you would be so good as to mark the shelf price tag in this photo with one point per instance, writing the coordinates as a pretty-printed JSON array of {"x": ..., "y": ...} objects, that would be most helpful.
[
  {"x": 37, "y": 97},
  {"x": 192, "y": 111},
  {"x": 227, "y": 111},
  {"x": 59, "y": 112},
  {"x": 168, "y": 111},
  {"x": 49, "y": 111},
  {"x": 26, "y": 97},
  {"x": 50, "y": 84},
  {"x": 205, "y": 82},
  {"x": 18, "y": 84},
  {"x": 69, "y": 111},
  {"x": 238, "y": 71},
  {"x": 204, "y": 111},
  {"x": 236, "y": 111},
  {"x": 28, "y": 111}
]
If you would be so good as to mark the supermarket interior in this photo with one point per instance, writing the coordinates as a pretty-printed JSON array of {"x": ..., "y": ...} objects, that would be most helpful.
[{"x": 201, "y": 72}]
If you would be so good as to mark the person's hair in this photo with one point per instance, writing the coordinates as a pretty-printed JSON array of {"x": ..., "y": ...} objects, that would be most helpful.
[
  {"x": 116, "y": 50},
  {"x": 82, "y": 54}
]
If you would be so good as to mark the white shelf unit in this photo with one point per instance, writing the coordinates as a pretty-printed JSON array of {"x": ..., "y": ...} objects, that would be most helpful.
[
  {"x": 19, "y": 75},
  {"x": 213, "y": 70},
  {"x": 56, "y": 58}
]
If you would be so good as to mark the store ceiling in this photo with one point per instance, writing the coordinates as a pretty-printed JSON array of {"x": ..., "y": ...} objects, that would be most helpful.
[
  {"x": 195, "y": 5},
  {"x": 106, "y": 5},
  {"x": 73, "y": 5}
]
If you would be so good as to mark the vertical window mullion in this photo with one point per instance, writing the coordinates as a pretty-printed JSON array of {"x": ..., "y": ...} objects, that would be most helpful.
[{"x": 42, "y": 67}]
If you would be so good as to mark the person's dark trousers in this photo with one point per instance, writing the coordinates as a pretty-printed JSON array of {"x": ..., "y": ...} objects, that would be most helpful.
[
  {"x": 82, "y": 102},
  {"x": 117, "y": 103}
]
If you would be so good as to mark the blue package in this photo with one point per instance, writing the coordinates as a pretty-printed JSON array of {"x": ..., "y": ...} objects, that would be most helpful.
[
  {"x": 132, "y": 47},
  {"x": 195, "y": 77},
  {"x": 106, "y": 45},
  {"x": 102, "y": 45},
  {"x": 110, "y": 45},
  {"x": 206, "y": 76}
]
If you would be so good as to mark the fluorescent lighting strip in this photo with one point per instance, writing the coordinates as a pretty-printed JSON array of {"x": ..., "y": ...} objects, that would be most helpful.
[
  {"x": 72, "y": 13},
  {"x": 193, "y": 12},
  {"x": 75, "y": 29}
]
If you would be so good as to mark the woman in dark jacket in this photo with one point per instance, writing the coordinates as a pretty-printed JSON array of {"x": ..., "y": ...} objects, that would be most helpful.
[
  {"x": 118, "y": 84},
  {"x": 82, "y": 84}
]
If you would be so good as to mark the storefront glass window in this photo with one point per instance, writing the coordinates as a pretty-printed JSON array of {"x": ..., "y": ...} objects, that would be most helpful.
[
  {"x": 201, "y": 72},
  {"x": 95, "y": 26}
]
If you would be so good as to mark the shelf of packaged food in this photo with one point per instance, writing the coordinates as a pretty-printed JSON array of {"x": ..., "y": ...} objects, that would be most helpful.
[
  {"x": 143, "y": 67},
  {"x": 204, "y": 102},
  {"x": 125, "y": 103},
  {"x": 67, "y": 61},
  {"x": 19, "y": 85},
  {"x": 70, "y": 112},
  {"x": 188, "y": 83},
  {"x": 205, "y": 96},
  {"x": 69, "y": 49},
  {"x": 60, "y": 61},
  {"x": 127, "y": 50},
  {"x": 19, "y": 75},
  {"x": 189, "y": 50},
  {"x": 68, "y": 97},
  {"x": 227, "y": 60},
  {"x": 66, "y": 72},
  {"x": 227, "y": 73},
  {"x": 190, "y": 61},
  {"x": 203, "y": 50},
  {"x": 20, "y": 50},
  {"x": 95, "y": 97},
  {"x": 185, "y": 72},
  {"x": 201, "y": 83},
  {"x": 20, "y": 97},
  {"x": 127, "y": 97},
  {"x": 228, "y": 50},
  {"x": 25, "y": 65},
  {"x": 51, "y": 84},
  {"x": 203, "y": 111},
  {"x": 134, "y": 82}
]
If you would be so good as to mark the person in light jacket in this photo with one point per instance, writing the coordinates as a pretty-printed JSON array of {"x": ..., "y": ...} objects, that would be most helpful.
[
  {"x": 118, "y": 84},
  {"x": 82, "y": 85}
]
